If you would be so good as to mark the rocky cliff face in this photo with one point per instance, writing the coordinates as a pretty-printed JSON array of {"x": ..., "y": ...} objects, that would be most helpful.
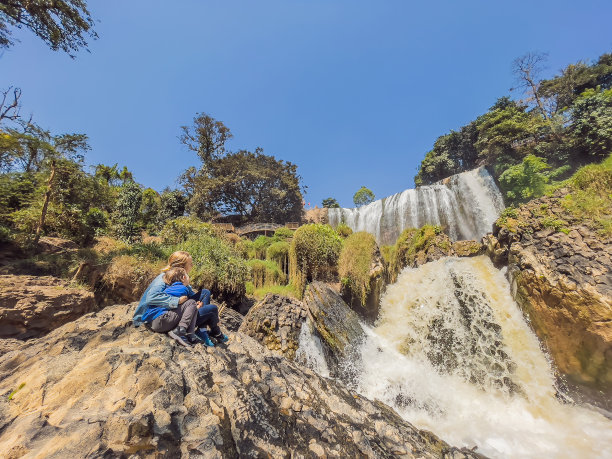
[
  {"x": 97, "y": 387},
  {"x": 561, "y": 273},
  {"x": 33, "y": 305}
]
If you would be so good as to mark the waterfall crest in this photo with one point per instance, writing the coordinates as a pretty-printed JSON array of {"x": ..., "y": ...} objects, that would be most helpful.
[
  {"x": 466, "y": 205},
  {"x": 452, "y": 353}
]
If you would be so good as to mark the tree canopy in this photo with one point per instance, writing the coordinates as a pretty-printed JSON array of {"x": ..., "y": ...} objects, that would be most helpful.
[
  {"x": 363, "y": 196},
  {"x": 62, "y": 24}
]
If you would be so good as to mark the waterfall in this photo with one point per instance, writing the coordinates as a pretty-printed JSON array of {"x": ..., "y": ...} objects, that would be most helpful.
[
  {"x": 465, "y": 205},
  {"x": 310, "y": 350},
  {"x": 452, "y": 353}
]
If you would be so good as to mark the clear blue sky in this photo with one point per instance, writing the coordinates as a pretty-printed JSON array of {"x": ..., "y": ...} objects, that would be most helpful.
[{"x": 353, "y": 92}]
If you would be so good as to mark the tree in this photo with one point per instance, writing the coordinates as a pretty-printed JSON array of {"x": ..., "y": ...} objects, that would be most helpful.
[
  {"x": 149, "y": 208},
  {"x": 173, "y": 204},
  {"x": 61, "y": 24},
  {"x": 10, "y": 104},
  {"x": 330, "y": 203},
  {"x": 591, "y": 127},
  {"x": 527, "y": 70},
  {"x": 363, "y": 196},
  {"x": 526, "y": 180},
  {"x": 255, "y": 186},
  {"x": 206, "y": 137},
  {"x": 126, "y": 215}
]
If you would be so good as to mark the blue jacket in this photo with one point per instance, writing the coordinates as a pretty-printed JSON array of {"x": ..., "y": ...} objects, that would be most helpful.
[
  {"x": 179, "y": 289},
  {"x": 154, "y": 295}
]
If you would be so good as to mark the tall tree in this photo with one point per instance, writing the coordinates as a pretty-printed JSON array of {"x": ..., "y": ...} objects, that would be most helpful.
[
  {"x": 363, "y": 196},
  {"x": 258, "y": 187},
  {"x": 527, "y": 70},
  {"x": 330, "y": 203},
  {"x": 62, "y": 24},
  {"x": 206, "y": 137}
]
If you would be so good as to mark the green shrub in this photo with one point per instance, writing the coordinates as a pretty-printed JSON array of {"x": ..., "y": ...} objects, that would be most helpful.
[
  {"x": 216, "y": 264},
  {"x": 283, "y": 233},
  {"x": 354, "y": 264},
  {"x": 285, "y": 290},
  {"x": 344, "y": 230},
  {"x": 278, "y": 252},
  {"x": 313, "y": 254},
  {"x": 265, "y": 272},
  {"x": 260, "y": 246},
  {"x": 526, "y": 180},
  {"x": 410, "y": 243},
  {"x": 180, "y": 229},
  {"x": 126, "y": 214}
]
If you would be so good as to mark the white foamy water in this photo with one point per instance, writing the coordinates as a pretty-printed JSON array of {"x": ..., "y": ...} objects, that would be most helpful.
[
  {"x": 310, "y": 351},
  {"x": 466, "y": 205},
  {"x": 452, "y": 354}
]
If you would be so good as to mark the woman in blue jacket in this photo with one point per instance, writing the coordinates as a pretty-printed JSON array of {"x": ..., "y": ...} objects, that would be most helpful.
[{"x": 177, "y": 316}]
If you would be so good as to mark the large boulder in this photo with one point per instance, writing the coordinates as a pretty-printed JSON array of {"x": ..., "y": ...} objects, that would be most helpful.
[
  {"x": 561, "y": 273},
  {"x": 97, "y": 387},
  {"x": 276, "y": 322},
  {"x": 33, "y": 305},
  {"x": 335, "y": 323}
]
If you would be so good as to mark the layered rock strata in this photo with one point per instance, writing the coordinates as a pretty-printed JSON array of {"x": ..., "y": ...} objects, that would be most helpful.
[
  {"x": 561, "y": 273},
  {"x": 33, "y": 305}
]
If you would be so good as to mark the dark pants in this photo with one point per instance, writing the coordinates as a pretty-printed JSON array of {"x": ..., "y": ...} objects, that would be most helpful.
[
  {"x": 185, "y": 315},
  {"x": 208, "y": 316},
  {"x": 203, "y": 296}
]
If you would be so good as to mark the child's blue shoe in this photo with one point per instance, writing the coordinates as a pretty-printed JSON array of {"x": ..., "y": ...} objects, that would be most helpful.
[
  {"x": 220, "y": 339},
  {"x": 205, "y": 339}
]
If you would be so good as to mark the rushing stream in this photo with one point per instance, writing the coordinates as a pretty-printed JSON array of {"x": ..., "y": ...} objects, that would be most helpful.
[
  {"x": 452, "y": 353},
  {"x": 465, "y": 205}
]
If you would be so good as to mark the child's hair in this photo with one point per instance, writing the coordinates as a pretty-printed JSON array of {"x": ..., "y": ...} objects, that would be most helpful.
[
  {"x": 174, "y": 275},
  {"x": 178, "y": 259}
]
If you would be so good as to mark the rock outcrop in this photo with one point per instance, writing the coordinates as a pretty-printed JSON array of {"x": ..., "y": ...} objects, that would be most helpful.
[
  {"x": 276, "y": 322},
  {"x": 33, "y": 305},
  {"x": 561, "y": 273},
  {"x": 98, "y": 387},
  {"x": 378, "y": 277},
  {"x": 230, "y": 319},
  {"x": 336, "y": 324}
]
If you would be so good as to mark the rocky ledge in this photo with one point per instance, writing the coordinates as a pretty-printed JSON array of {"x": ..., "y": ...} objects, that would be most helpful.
[
  {"x": 561, "y": 274},
  {"x": 98, "y": 387}
]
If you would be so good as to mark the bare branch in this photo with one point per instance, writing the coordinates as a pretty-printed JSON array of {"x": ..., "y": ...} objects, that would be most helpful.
[{"x": 10, "y": 106}]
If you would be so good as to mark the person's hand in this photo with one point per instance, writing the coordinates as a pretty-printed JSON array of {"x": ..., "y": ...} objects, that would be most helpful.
[
  {"x": 183, "y": 299},
  {"x": 199, "y": 304}
]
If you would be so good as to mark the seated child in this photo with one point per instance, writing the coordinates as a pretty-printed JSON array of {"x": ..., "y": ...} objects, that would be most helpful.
[{"x": 177, "y": 284}]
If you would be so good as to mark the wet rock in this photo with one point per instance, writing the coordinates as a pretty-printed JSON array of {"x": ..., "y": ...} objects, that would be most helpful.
[
  {"x": 230, "y": 319},
  {"x": 562, "y": 279},
  {"x": 276, "y": 322},
  {"x": 335, "y": 323},
  {"x": 97, "y": 387},
  {"x": 378, "y": 276},
  {"x": 468, "y": 248},
  {"x": 34, "y": 305}
]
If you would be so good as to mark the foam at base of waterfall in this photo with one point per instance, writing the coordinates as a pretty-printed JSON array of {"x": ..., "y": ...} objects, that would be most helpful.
[
  {"x": 464, "y": 411},
  {"x": 466, "y": 205},
  {"x": 310, "y": 351}
]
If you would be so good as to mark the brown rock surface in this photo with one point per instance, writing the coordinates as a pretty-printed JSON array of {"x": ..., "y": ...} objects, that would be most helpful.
[
  {"x": 33, "y": 305},
  {"x": 276, "y": 322},
  {"x": 563, "y": 282},
  {"x": 98, "y": 387}
]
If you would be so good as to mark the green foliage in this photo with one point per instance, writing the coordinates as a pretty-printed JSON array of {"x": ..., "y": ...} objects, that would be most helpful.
[
  {"x": 62, "y": 24},
  {"x": 278, "y": 252},
  {"x": 12, "y": 394},
  {"x": 265, "y": 272},
  {"x": 255, "y": 186},
  {"x": 556, "y": 224},
  {"x": 363, "y": 196},
  {"x": 285, "y": 290},
  {"x": 215, "y": 263},
  {"x": 313, "y": 254},
  {"x": 149, "y": 209},
  {"x": 343, "y": 230},
  {"x": 180, "y": 229},
  {"x": 172, "y": 205},
  {"x": 354, "y": 264},
  {"x": 525, "y": 181},
  {"x": 591, "y": 127},
  {"x": 407, "y": 246},
  {"x": 591, "y": 197},
  {"x": 127, "y": 212},
  {"x": 283, "y": 233},
  {"x": 330, "y": 203},
  {"x": 207, "y": 137}
]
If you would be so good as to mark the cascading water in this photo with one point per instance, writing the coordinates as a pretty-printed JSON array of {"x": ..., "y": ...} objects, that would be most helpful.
[
  {"x": 466, "y": 205},
  {"x": 452, "y": 354}
]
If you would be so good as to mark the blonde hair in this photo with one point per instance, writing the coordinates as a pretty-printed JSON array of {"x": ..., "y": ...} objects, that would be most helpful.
[
  {"x": 178, "y": 259},
  {"x": 174, "y": 275}
]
